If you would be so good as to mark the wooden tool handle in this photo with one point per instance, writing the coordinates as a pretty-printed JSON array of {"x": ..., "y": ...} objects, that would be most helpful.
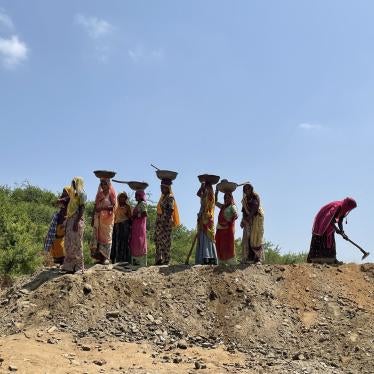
[{"x": 155, "y": 167}]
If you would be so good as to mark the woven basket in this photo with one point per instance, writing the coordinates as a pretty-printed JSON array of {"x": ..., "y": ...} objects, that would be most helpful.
[
  {"x": 212, "y": 179},
  {"x": 137, "y": 185},
  {"x": 226, "y": 186},
  {"x": 166, "y": 174},
  {"x": 104, "y": 173}
]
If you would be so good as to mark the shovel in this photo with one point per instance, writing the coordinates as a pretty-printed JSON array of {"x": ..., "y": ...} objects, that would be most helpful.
[{"x": 365, "y": 254}]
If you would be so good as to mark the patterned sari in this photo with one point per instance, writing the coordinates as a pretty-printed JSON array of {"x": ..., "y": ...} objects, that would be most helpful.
[
  {"x": 103, "y": 224},
  {"x": 73, "y": 242},
  {"x": 167, "y": 218}
]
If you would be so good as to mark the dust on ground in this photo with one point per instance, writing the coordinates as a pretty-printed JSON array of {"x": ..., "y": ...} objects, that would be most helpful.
[{"x": 305, "y": 318}]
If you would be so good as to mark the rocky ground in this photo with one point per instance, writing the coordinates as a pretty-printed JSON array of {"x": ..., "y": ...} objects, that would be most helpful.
[{"x": 243, "y": 319}]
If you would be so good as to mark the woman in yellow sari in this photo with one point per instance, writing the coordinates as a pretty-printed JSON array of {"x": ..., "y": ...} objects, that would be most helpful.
[
  {"x": 167, "y": 218},
  {"x": 103, "y": 221},
  {"x": 206, "y": 252},
  {"x": 74, "y": 228},
  {"x": 253, "y": 226}
]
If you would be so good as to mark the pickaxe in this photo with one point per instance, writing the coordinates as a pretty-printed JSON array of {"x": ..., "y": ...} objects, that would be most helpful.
[{"x": 365, "y": 254}]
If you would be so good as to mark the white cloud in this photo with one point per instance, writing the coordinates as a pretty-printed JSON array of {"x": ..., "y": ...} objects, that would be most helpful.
[
  {"x": 310, "y": 126},
  {"x": 140, "y": 53},
  {"x": 96, "y": 28},
  {"x": 99, "y": 30},
  {"x": 5, "y": 20},
  {"x": 12, "y": 51}
]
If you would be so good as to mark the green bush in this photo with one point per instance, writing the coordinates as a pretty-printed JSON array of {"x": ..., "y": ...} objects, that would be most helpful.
[
  {"x": 25, "y": 214},
  {"x": 23, "y": 259},
  {"x": 273, "y": 255}
]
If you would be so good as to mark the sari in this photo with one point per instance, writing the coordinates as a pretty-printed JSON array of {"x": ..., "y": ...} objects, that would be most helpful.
[
  {"x": 167, "y": 218},
  {"x": 57, "y": 250},
  {"x": 253, "y": 229},
  {"x": 54, "y": 241},
  {"x": 120, "y": 251},
  {"x": 57, "y": 230},
  {"x": 73, "y": 241},
  {"x": 101, "y": 243},
  {"x": 138, "y": 241},
  {"x": 205, "y": 248},
  {"x": 323, "y": 246},
  {"x": 225, "y": 234}
]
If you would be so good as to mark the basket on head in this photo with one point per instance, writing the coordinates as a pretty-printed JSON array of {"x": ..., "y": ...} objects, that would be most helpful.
[
  {"x": 134, "y": 185},
  {"x": 226, "y": 186},
  {"x": 212, "y": 179},
  {"x": 166, "y": 174},
  {"x": 104, "y": 173}
]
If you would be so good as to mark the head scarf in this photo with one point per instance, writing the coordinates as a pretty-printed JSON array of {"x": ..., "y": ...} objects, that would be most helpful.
[
  {"x": 77, "y": 196},
  {"x": 122, "y": 213},
  {"x": 79, "y": 185},
  {"x": 66, "y": 189},
  {"x": 106, "y": 180},
  {"x": 65, "y": 201},
  {"x": 122, "y": 194},
  {"x": 100, "y": 193},
  {"x": 248, "y": 185},
  {"x": 141, "y": 194},
  {"x": 347, "y": 206},
  {"x": 166, "y": 182}
]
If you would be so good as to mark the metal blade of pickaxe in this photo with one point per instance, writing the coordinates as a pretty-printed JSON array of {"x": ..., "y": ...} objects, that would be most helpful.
[{"x": 365, "y": 254}]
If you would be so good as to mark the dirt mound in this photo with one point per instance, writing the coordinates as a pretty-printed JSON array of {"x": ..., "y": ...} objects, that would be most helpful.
[{"x": 297, "y": 318}]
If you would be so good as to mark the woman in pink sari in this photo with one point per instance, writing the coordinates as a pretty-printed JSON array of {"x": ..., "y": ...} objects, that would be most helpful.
[
  {"x": 322, "y": 246},
  {"x": 138, "y": 242},
  {"x": 103, "y": 221}
]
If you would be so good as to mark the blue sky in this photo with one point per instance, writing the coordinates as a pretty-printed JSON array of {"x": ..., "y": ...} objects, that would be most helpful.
[{"x": 276, "y": 92}]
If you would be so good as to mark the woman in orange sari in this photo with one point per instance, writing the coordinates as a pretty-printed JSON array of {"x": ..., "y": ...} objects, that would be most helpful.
[
  {"x": 225, "y": 234},
  {"x": 205, "y": 249},
  {"x": 103, "y": 221}
]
